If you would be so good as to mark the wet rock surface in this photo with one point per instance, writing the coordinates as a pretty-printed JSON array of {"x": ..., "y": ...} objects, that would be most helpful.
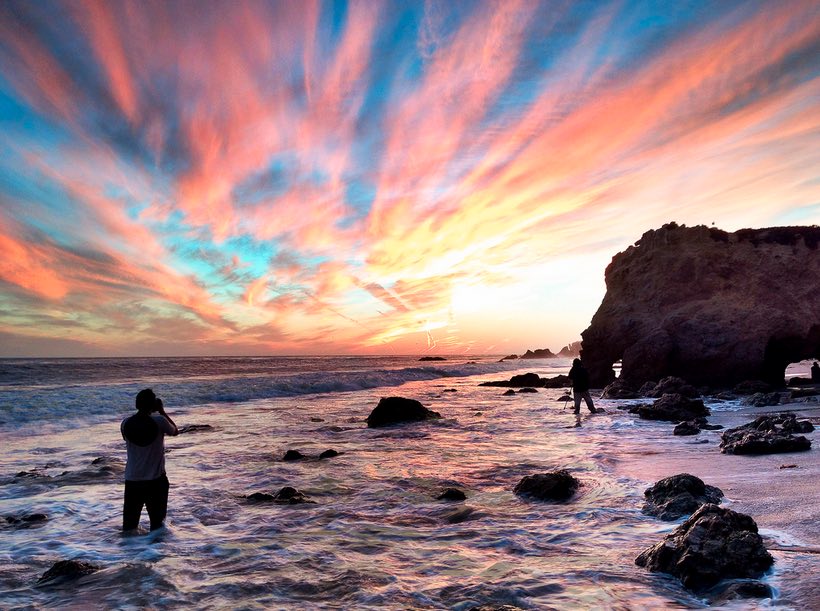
[
  {"x": 711, "y": 545},
  {"x": 739, "y": 590},
  {"x": 291, "y": 455},
  {"x": 396, "y": 410},
  {"x": 672, "y": 407},
  {"x": 553, "y": 486},
  {"x": 25, "y": 519},
  {"x": 286, "y": 496},
  {"x": 767, "y": 435},
  {"x": 679, "y": 495},
  {"x": 67, "y": 569},
  {"x": 328, "y": 454},
  {"x": 690, "y": 427},
  {"x": 195, "y": 428},
  {"x": 671, "y": 385},
  {"x": 527, "y": 389}
]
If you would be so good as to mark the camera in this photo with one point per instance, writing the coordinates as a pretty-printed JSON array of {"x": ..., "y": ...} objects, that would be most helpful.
[{"x": 158, "y": 404}]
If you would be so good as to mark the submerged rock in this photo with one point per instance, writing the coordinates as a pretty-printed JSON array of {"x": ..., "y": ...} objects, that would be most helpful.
[
  {"x": 739, "y": 590},
  {"x": 527, "y": 389},
  {"x": 195, "y": 428},
  {"x": 508, "y": 393},
  {"x": 293, "y": 455},
  {"x": 452, "y": 494},
  {"x": 328, "y": 454},
  {"x": 713, "y": 544},
  {"x": 533, "y": 380},
  {"x": 68, "y": 569},
  {"x": 690, "y": 427},
  {"x": 395, "y": 410},
  {"x": 767, "y": 435},
  {"x": 286, "y": 496},
  {"x": 26, "y": 519},
  {"x": 672, "y": 407},
  {"x": 679, "y": 495},
  {"x": 554, "y": 486}
]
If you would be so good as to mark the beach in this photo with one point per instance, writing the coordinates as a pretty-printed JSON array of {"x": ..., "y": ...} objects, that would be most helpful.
[{"x": 375, "y": 535}]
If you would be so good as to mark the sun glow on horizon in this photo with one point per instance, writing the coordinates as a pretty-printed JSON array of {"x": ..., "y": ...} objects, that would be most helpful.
[{"x": 349, "y": 177}]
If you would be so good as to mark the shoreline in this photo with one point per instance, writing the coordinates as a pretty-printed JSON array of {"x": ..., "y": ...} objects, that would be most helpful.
[{"x": 782, "y": 501}]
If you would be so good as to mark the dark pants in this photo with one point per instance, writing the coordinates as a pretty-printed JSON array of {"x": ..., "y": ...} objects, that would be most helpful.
[
  {"x": 151, "y": 493},
  {"x": 583, "y": 394}
]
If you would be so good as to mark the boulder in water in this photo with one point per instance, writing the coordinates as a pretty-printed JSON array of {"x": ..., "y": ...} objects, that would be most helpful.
[
  {"x": 293, "y": 455},
  {"x": 508, "y": 393},
  {"x": 553, "y": 486},
  {"x": 617, "y": 389},
  {"x": 527, "y": 389},
  {"x": 673, "y": 385},
  {"x": 690, "y": 427},
  {"x": 395, "y": 410},
  {"x": 68, "y": 569},
  {"x": 291, "y": 496},
  {"x": 452, "y": 494},
  {"x": 712, "y": 544},
  {"x": 328, "y": 454},
  {"x": 679, "y": 495}
]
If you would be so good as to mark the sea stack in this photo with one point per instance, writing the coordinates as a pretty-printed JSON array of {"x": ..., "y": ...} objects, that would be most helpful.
[{"x": 712, "y": 307}]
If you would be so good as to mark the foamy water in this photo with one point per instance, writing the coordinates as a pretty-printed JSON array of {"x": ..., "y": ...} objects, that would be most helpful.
[{"x": 375, "y": 537}]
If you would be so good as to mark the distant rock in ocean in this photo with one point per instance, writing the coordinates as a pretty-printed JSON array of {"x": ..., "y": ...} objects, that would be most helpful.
[
  {"x": 395, "y": 410},
  {"x": 432, "y": 358},
  {"x": 533, "y": 380},
  {"x": 712, "y": 307},
  {"x": 571, "y": 350},
  {"x": 541, "y": 353}
]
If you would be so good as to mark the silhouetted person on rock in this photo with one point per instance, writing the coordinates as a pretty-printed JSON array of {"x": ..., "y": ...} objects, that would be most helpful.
[
  {"x": 580, "y": 386},
  {"x": 145, "y": 479},
  {"x": 815, "y": 372}
]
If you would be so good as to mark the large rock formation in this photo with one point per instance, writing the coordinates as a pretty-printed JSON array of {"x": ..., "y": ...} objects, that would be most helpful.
[{"x": 712, "y": 307}]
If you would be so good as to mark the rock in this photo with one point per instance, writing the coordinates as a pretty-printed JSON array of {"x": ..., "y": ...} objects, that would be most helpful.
[
  {"x": 711, "y": 545},
  {"x": 328, "y": 454},
  {"x": 571, "y": 350},
  {"x": 554, "y": 486},
  {"x": 564, "y": 398},
  {"x": 510, "y": 357},
  {"x": 673, "y": 385},
  {"x": 751, "y": 387},
  {"x": 690, "y": 427},
  {"x": 293, "y": 455},
  {"x": 541, "y": 353},
  {"x": 760, "y": 399},
  {"x": 508, "y": 393},
  {"x": 291, "y": 496},
  {"x": 739, "y": 590},
  {"x": 679, "y": 495},
  {"x": 526, "y": 379},
  {"x": 68, "y": 569},
  {"x": 432, "y": 358},
  {"x": 799, "y": 393},
  {"x": 317, "y": 419},
  {"x": 696, "y": 302},
  {"x": 26, "y": 519},
  {"x": 195, "y": 428},
  {"x": 672, "y": 407},
  {"x": 792, "y": 466},
  {"x": 260, "y": 497},
  {"x": 492, "y": 607},
  {"x": 647, "y": 388},
  {"x": 452, "y": 494},
  {"x": 395, "y": 410},
  {"x": 559, "y": 381},
  {"x": 798, "y": 381},
  {"x": 450, "y": 390},
  {"x": 710, "y": 427},
  {"x": 527, "y": 389},
  {"x": 767, "y": 435},
  {"x": 617, "y": 389}
]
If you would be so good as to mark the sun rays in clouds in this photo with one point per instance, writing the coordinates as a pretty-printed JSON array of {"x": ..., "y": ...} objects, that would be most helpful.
[{"x": 257, "y": 177}]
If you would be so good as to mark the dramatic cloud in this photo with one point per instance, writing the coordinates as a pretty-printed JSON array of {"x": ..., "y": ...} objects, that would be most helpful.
[{"x": 367, "y": 176}]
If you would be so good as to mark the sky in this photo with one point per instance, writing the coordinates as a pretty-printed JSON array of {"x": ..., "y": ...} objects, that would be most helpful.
[{"x": 396, "y": 177}]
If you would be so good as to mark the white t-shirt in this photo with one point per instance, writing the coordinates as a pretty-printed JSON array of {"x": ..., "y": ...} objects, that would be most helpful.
[{"x": 147, "y": 462}]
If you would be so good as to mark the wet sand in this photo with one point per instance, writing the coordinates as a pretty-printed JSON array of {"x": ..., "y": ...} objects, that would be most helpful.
[{"x": 785, "y": 502}]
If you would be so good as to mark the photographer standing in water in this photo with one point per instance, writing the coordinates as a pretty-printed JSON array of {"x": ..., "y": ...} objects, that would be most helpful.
[
  {"x": 580, "y": 388},
  {"x": 145, "y": 479}
]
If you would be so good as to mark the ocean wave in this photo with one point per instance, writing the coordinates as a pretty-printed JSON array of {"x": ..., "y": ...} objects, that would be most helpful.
[{"x": 26, "y": 404}]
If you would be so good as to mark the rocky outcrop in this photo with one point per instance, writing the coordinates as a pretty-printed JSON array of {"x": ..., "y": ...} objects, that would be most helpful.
[
  {"x": 698, "y": 303},
  {"x": 571, "y": 350},
  {"x": 395, "y": 410},
  {"x": 690, "y": 427},
  {"x": 767, "y": 435},
  {"x": 713, "y": 544},
  {"x": 452, "y": 494},
  {"x": 679, "y": 495},
  {"x": 672, "y": 407},
  {"x": 432, "y": 358},
  {"x": 554, "y": 486},
  {"x": 540, "y": 353}
]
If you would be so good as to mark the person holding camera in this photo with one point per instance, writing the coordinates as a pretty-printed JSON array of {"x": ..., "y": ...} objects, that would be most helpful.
[{"x": 145, "y": 480}]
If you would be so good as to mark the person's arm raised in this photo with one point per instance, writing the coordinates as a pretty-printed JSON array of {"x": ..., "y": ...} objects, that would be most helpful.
[{"x": 161, "y": 411}]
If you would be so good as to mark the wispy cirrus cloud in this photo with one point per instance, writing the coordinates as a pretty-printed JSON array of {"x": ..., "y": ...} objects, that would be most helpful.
[{"x": 317, "y": 176}]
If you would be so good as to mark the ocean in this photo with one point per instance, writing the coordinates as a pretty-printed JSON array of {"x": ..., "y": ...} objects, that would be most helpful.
[{"x": 375, "y": 536}]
